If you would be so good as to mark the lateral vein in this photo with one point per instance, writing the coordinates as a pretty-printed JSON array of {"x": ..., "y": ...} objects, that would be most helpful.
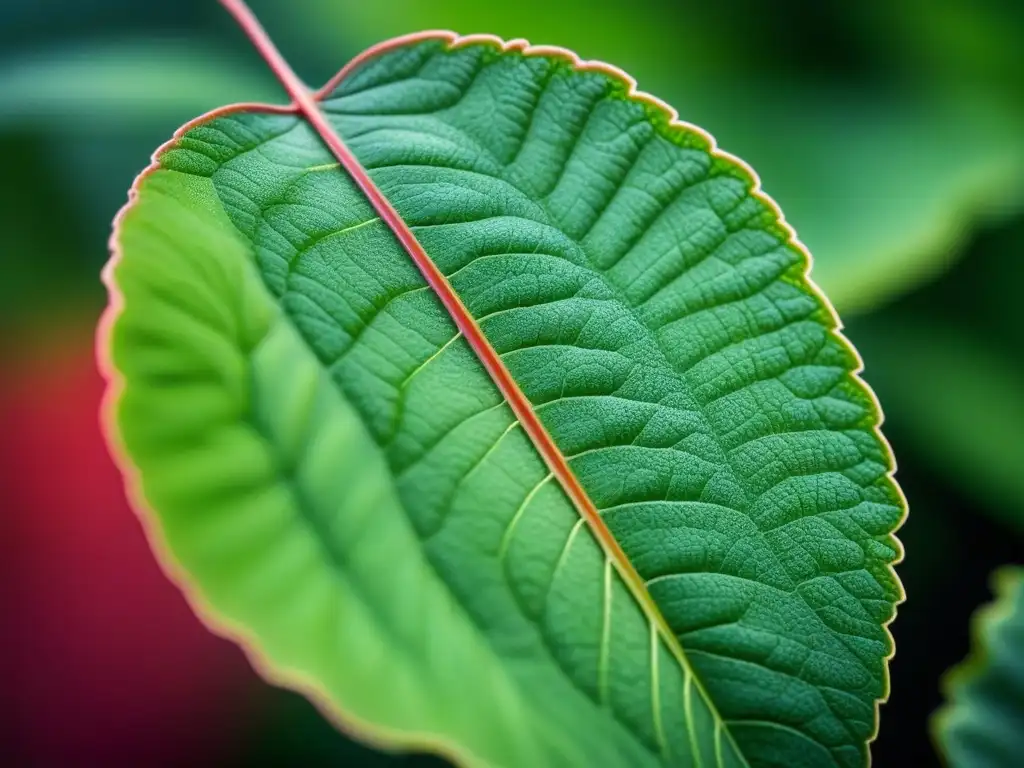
[{"x": 306, "y": 103}]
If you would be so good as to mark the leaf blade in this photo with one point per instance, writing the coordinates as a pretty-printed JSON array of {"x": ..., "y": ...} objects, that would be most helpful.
[
  {"x": 908, "y": 186},
  {"x": 310, "y": 283},
  {"x": 979, "y": 724},
  {"x": 216, "y": 553}
]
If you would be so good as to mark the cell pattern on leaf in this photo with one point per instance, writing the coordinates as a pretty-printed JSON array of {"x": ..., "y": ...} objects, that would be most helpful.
[{"x": 656, "y": 312}]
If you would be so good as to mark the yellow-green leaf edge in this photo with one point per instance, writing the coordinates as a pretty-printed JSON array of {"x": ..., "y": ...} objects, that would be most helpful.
[{"x": 666, "y": 120}]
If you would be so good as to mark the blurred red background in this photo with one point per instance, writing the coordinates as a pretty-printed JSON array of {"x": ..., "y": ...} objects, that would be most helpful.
[{"x": 107, "y": 659}]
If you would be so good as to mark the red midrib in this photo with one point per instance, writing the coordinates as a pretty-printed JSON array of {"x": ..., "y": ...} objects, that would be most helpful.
[{"x": 464, "y": 321}]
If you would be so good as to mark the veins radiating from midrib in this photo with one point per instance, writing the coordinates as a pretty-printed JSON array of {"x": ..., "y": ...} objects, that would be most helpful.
[
  {"x": 620, "y": 295},
  {"x": 384, "y": 308},
  {"x": 596, "y": 219},
  {"x": 238, "y": 197}
]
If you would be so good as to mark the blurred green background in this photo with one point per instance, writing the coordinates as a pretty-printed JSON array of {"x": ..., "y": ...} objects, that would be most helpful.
[{"x": 892, "y": 135}]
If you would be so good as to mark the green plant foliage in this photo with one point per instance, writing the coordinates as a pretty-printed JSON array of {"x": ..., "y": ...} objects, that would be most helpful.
[
  {"x": 972, "y": 44},
  {"x": 982, "y": 726},
  {"x": 340, "y": 485},
  {"x": 882, "y": 179},
  {"x": 100, "y": 86},
  {"x": 962, "y": 334}
]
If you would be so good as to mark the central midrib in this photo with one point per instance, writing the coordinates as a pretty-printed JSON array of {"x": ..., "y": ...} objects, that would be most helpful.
[
  {"x": 307, "y": 105},
  {"x": 520, "y": 405}
]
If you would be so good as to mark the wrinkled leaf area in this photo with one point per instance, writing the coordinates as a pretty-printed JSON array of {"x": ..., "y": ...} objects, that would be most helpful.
[{"x": 330, "y": 465}]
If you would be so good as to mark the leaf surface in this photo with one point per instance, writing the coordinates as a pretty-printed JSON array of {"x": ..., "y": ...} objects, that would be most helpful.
[
  {"x": 343, "y": 485},
  {"x": 882, "y": 179},
  {"x": 982, "y": 725}
]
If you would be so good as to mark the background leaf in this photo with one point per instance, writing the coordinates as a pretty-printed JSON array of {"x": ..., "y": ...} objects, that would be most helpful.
[
  {"x": 120, "y": 84},
  {"x": 981, "y": 724},
  {"x": 981, "y": 442},
  {"x": 964, "y": 334}
]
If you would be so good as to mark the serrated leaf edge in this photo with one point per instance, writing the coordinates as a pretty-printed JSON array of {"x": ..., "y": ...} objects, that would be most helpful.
[
  {"x": 985, "y": 621},
  {"x": 294, "y": 679},
  {"x": 454, "y": 41}
]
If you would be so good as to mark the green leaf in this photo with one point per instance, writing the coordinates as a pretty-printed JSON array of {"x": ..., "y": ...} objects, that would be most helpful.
[
  {"x": 882, "y": 181},
  {"x": 981, "y": 725},
  {"x": 340, "y": 483}
]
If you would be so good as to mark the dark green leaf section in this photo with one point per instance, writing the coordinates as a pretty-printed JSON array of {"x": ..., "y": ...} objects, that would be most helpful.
[
  {"x": 652, "y": 308},
  {"x": 982, "y": 726},
  {"x": 883, "y": 172}
]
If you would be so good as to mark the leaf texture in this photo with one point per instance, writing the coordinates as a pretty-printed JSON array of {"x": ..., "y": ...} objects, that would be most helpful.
[
  {"x": 879, "y": 179},
  {"x": 983, "y": 721},
  {"x": 343, "y": 485}
]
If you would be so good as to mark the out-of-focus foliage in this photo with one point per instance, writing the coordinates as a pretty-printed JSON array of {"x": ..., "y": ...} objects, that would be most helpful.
[
  {"x": 981, "y": 725},
  {"x": 76, "y": 125},
  {"x": 102, "y": 86},
  {"x": 964, "y": 335},
  {"x": 968, "y": 420},
  {"x": 917, "y": 104}
]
